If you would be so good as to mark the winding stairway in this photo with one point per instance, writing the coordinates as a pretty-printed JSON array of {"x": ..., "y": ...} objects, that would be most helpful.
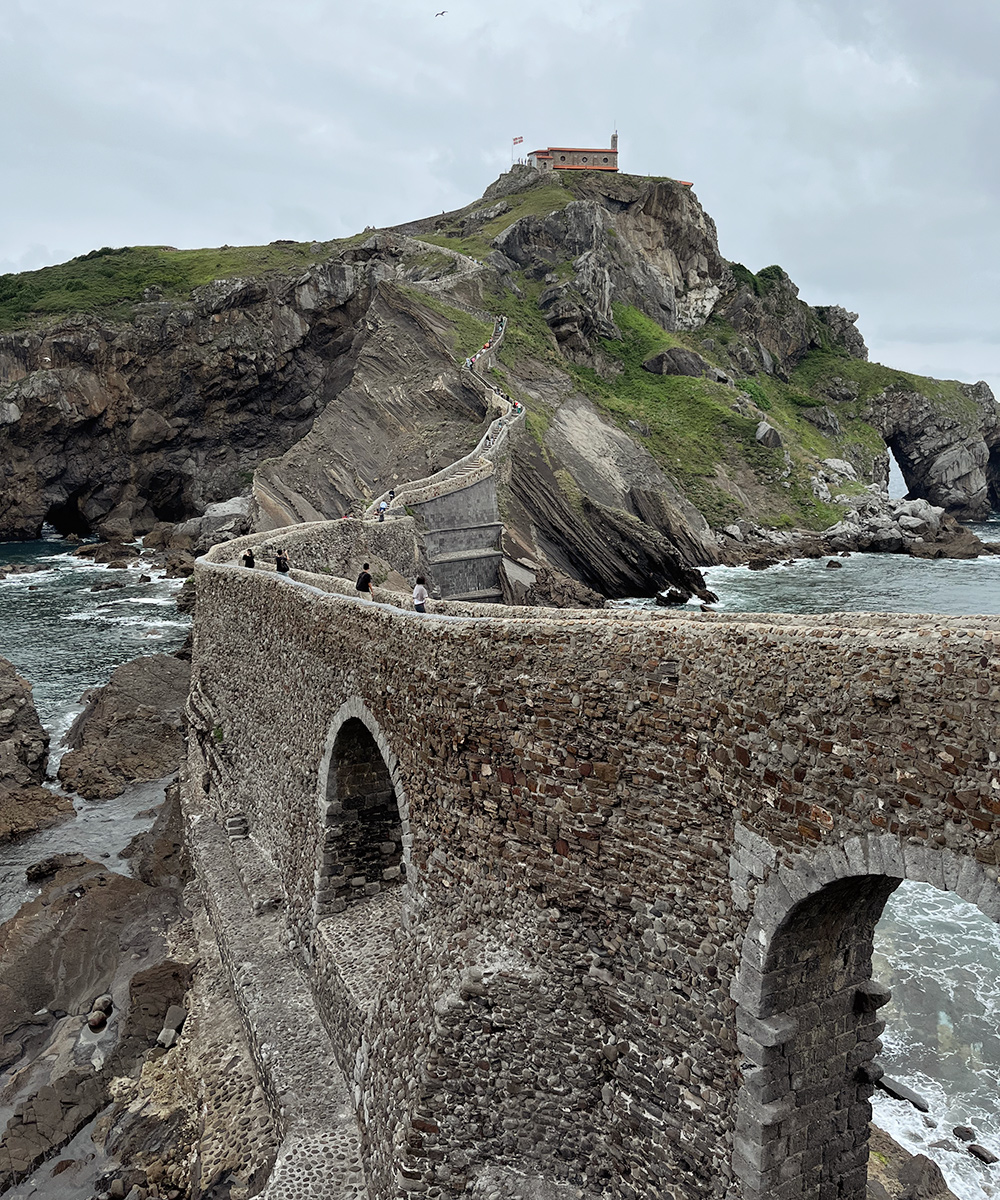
[{"x": 456, "y": 507}]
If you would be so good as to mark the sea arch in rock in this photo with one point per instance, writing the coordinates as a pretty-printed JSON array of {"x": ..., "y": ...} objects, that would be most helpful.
[
  {"x": 807, "y": 1008},
  {"x": 364, "y": 844}
]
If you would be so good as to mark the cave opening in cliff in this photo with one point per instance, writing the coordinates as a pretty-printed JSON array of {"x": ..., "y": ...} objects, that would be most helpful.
[
  {"x": 165, "y": 495},
  {"x": 66, "y": 518},
  {"x": 363, "y": 841}
]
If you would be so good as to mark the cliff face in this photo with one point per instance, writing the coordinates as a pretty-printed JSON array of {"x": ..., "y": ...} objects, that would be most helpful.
[
  {"x": 670, "y": 394},
  {"x": 116, "y": 426}
]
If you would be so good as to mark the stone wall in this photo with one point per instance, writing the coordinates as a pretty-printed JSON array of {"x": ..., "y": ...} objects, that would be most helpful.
[{"x": 618, "y": 831}]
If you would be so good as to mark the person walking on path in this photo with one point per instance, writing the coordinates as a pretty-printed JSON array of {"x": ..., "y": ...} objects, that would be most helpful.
[
  {"x": 248, "y": 558},
  {"x": 420, "y": 595},
  {"x": 364, "y": 583},
  {"x": 281, "y": 562},
  {"x": 381, "y": 510}
]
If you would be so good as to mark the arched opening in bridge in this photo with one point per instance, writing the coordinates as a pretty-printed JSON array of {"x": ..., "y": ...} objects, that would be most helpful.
[
  {"x": 810, "y": 1020},
  {"x": 363, "y": 837},
  {"x": 802, "y": 1128}
]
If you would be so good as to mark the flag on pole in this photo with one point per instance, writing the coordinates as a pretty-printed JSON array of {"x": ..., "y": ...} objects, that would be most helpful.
[{"x": 518, "y": 141}]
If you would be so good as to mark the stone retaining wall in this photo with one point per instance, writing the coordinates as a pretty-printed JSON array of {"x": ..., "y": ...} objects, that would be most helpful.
[{"x": 599, "y": 806}]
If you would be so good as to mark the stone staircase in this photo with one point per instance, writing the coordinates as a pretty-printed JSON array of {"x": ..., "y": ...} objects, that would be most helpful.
[{"x": 457, "y": 506}]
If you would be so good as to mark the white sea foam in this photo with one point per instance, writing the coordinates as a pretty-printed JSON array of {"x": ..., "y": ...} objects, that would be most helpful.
[{"x": 941, "y": 958}]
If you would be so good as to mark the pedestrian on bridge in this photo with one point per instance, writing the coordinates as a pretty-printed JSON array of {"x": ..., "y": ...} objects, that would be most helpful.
[{"x": 420, "y": 594}]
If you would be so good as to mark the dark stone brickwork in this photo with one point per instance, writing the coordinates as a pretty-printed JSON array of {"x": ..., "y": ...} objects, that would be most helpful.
[{"x": 643, "y": 858}]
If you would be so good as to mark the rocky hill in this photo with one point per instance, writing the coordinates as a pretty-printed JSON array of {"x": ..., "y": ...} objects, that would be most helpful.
[{"x": 676, "y": 401}]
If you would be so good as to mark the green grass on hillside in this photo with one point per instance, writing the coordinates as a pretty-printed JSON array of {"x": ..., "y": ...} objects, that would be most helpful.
[
  {"x": 871, "y": 378},
  {"x": 468, "y": 332},
  {"x": 109, "y": 278},
  {"x": 697, "y": 430},
  {"x": 536, "y": 202}
]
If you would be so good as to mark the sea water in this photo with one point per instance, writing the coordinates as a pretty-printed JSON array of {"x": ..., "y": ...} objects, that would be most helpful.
[
  {"x": 64, "y": 639},
  {"x": 939, "y": 955}
]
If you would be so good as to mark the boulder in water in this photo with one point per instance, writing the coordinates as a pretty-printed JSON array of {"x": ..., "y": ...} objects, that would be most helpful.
[{"x": 24, "y": 751}]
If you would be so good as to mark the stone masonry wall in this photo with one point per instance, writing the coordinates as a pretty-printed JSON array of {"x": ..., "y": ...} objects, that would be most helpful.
[{"x": 595, "y": 806}]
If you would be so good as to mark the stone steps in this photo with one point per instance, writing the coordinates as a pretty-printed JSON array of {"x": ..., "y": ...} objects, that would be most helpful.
[
  {"x": 465, "y": 556},
  {"x": 487, "y": 596}
]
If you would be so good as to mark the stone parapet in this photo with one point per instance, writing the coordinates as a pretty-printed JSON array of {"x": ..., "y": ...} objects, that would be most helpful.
[{"x": 624, "y": 833}]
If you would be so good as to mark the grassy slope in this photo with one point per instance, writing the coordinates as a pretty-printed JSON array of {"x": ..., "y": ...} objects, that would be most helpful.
[{"x": 105, "y": 280}]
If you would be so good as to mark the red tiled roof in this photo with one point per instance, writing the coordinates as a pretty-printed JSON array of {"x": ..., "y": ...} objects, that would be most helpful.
[{"x": 582, "y": 150}]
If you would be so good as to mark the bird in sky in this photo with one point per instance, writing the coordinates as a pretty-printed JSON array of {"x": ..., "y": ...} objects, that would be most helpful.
[{"x": 441, "y": 13}]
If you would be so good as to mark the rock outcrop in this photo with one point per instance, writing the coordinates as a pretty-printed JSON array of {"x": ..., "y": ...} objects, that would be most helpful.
[
  {"x": 281, "y": 398},
  {"x": 24, "y": 750},
  {"x": 93, "y": 969},
  {"x": 115, "y": 428},
  {"x": 132, "y": 729}
]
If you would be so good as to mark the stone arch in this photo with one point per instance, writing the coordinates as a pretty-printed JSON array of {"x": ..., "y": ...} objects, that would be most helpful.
[
  {"x": 807, "y": 1023},
  {"x": 364, "y": 843}
]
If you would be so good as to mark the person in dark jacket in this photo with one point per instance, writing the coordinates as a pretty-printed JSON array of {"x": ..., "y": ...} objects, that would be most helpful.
[
  {"x": 364, "y": 583},
  {"x": 281, "y": 562}
]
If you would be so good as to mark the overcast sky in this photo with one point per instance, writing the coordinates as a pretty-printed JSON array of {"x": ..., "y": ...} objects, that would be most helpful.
[{"x": 851, "y": 141}]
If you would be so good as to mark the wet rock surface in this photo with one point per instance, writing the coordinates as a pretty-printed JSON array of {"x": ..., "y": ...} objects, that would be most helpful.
[
  {"x": 131, "y": 730},
  {"x": 24, "y": 749},
  {"x": 894, "y": 1174},
  {"x": 93, "y": 970}
]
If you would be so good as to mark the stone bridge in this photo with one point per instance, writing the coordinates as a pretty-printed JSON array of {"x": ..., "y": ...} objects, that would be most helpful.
[{"x": 544, "y": 903}]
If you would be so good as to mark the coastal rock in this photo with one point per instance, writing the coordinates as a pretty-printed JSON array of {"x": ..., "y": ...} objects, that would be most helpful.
[
  {"x": 220, "y": 522},
  {"x": 90, "y": 933},
  {"x": 947, "y": 447},
  {"x": 24, "y": 744},
  {"x": 24, "y": 749},
  {"x": 893, "y": 1174},
  {"x": 131, "y": 729},
  {"x": 914, "y": 527}
]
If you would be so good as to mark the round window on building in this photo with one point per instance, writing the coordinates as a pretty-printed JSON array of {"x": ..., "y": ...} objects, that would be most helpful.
[
  {"x": 605, "y": 158},
  {"x": 584, "y": 158},
  {"x": 562, "y": 157}
]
